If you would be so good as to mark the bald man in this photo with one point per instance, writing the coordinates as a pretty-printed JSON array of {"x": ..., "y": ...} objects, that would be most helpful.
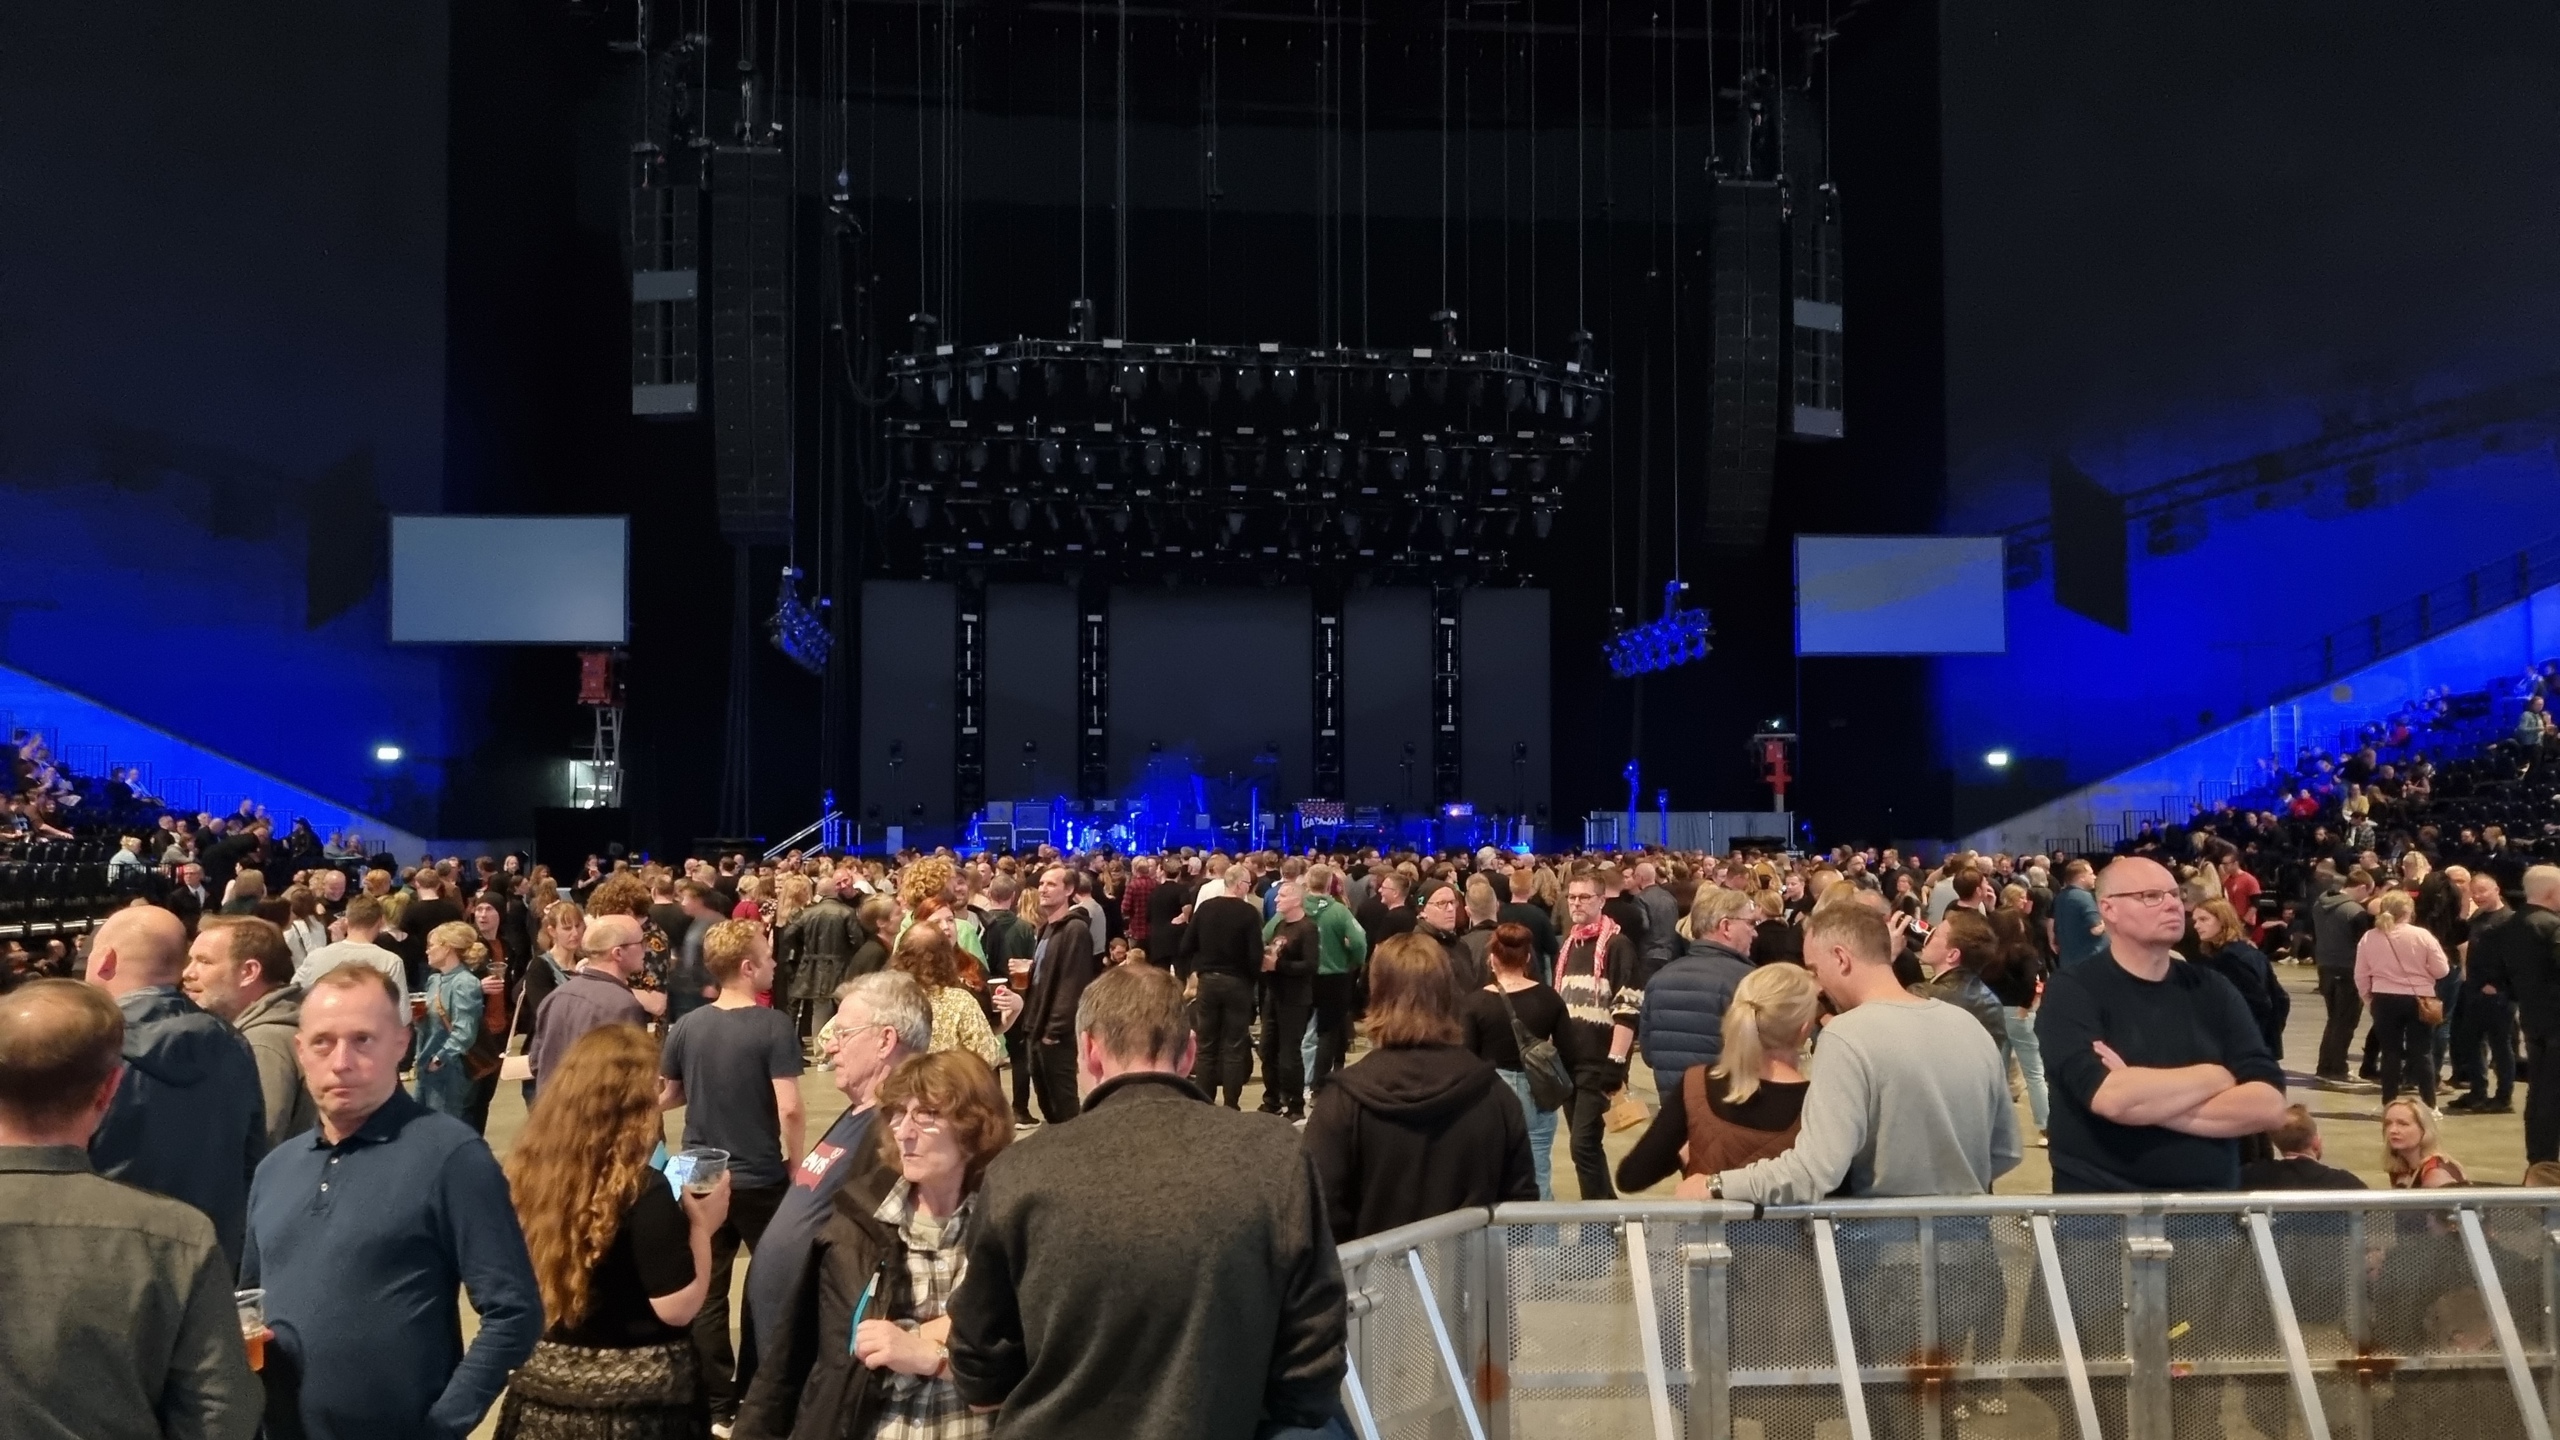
[
  {"x": 2155, "y": 1067},
  {"x": 612, "y": 952},
  {"x": 189, "y": 1120}
]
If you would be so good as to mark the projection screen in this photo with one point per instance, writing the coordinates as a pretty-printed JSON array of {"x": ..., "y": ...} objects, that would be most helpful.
[
  {"x": 510, "y": 579},
  {"x": 1900, "y": 595}
]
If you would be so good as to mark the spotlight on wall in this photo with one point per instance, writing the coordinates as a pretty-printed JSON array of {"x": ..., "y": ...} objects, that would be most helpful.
[{"x": 1996, "y": 759}]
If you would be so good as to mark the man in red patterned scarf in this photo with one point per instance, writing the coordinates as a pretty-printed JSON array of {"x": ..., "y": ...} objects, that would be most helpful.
[{"x": 1597, "y": 975}]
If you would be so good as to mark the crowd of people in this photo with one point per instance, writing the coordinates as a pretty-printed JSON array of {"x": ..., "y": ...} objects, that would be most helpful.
[{"x": 292, "y": 1085}]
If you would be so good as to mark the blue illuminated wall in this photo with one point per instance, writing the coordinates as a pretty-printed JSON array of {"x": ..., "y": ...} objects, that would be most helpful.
[
  {"x": 2189, "y": 234},
  {"x": 221, "y": 270}
]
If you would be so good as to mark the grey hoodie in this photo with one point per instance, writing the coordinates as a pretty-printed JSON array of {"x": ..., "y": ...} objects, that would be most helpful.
[
  {"x": 269, "y": 1025},
  {"x": 188, "y": 1120}
]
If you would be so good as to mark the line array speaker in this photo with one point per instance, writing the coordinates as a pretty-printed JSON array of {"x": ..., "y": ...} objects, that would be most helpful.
[
  {"x": 750, "y": 341},
  {"x": 1749, "y": 291}
]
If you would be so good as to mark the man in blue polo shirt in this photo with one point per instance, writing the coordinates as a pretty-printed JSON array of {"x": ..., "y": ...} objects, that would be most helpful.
[
  {"x": 361, "y": 1231},
  {"x": 881, "y": 1019}
]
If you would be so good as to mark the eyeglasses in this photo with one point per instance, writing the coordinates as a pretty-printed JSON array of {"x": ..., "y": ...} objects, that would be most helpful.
[
  {"x": 2143, "y": 897},
  {"x": 1582, "y": 899},
  {"x": 923, "y": 1122}
]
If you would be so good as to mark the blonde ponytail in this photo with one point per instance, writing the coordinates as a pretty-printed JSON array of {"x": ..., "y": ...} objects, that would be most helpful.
[{"x": 1770, "y": 1012}]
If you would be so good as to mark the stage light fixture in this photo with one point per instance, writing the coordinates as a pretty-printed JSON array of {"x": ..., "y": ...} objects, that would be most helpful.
[
  {"x": 942, "y": 386},
  {"x": 941, "y": 458},
  {"x": 1051, "y": 453},
  {"x": 976, "y": 453},
  {"x": 1211, "y": 379},
  {"x": 1009, "y": 381},
  {"x": 919, "y": 512},
  {"x": 1194, "y": 460},
  {"x": 1996, "y": 759},
  {"x": 1498, "y": 464},
  {"x": 1399, "y": 463},
  {"x": 1333, "y": 462},
  {"x": 1399, "y": 388},
  {"x": 1542, "y": 521},
  {"x": 1284, "y": 383},
  {"x": 1019, "y": 512},
  {"x": 1294, "y": 462},
  {"x": 1087, "y": 461},
  {"x": 1514, "y": 391},
  {"x": 387, "y": 754},
  {"x": 976, "y": 382},
  {"x": 1154, "y": 458},
  {"x": 1133, "y": 381},
  {"x": 1248, "y": 382},
  {"x": 1435, "y": 464}
]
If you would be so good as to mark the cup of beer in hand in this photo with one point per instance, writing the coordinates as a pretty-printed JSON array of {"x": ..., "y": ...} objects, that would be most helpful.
[{"x": 252, "y": 1305}]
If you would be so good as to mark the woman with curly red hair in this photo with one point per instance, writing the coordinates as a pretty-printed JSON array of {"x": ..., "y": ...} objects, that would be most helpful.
[{"x": 623, "y": 1265}]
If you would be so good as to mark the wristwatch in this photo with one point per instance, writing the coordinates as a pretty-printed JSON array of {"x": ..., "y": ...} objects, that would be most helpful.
[{"x": 1715, "y": 1186}]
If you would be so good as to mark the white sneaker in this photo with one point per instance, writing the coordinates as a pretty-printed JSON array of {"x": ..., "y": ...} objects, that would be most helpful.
[{"x": 721, "y": 1429}]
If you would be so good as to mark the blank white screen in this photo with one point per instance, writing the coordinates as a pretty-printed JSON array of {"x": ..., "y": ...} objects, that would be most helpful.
[
  {"x": 1900, "y": 595},
  {"x": 510, "y": 579}
]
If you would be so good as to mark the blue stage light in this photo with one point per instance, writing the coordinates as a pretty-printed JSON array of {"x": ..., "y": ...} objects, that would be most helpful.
[
  {"x": 799, "y": 631},
  {"x": 1680, "y": 636}
]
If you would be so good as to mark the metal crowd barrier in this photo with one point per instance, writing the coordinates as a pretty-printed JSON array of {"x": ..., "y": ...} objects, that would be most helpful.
[{"x": 2371, "y": 1315}]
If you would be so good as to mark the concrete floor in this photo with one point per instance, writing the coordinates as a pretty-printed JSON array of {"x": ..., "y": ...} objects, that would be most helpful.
[{"x": 2489, "y": 1147}]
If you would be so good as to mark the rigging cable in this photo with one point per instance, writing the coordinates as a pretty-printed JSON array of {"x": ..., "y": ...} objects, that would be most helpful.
[
  {"x": 1444, "y": 155},
  {"x": 1122, "y": 191}
]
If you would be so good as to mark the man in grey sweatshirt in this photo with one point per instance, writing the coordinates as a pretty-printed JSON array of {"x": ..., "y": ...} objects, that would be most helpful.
[{"x": 1907, "y": 1095}]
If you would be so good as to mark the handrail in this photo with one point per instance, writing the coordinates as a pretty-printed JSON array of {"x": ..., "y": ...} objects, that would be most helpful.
[
  {"x": 803, "y": 833},
  {"x": 1937, "y": 1207}
]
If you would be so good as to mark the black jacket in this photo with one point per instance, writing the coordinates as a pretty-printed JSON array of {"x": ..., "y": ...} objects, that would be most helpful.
[
  {"x": 1416, "y": 1131},
  {"x": 1067, "y": 963},
  {"x": 815, "y": 952},
  {"x": 1465, "y": 962},
  {"x": 189, "y": 1120},
  {"x": 808, "y": 1385},
  {"x": 2249, "y": 973},
  {"x": 1215, "y": 1307},
  {"x": 2521, "y": 957},
  {"x": 1223, "y": 938}
]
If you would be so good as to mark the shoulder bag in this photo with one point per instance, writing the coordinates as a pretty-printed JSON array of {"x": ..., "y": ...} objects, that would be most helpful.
[{"x": 1550, "y": 1083}]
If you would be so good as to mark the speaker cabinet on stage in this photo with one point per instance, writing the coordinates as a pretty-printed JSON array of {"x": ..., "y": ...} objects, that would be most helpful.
[
  {"x": 1748, "y": 374},
  {"x": 750, "y": 341},
  {"x": 2089, "y": 548}
]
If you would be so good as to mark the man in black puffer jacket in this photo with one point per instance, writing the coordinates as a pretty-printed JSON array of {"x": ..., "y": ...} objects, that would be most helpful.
[{"x": 1683, "y": 1018}]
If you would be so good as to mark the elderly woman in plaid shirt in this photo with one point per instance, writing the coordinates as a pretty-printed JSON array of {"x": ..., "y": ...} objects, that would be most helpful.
[{"x": 863, "y": 1351}]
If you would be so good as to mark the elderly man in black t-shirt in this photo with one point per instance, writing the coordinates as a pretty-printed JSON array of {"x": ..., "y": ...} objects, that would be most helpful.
[
  {"x": 2155, "y": 1067},
  {"x": 2156, "y": 1071}
]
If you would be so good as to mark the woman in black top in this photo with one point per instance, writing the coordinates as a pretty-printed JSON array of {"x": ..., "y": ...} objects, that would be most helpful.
[
  {"x": 1290, "y": 954},
  {"x": 1488, "y": 1013},
  {"x": 623, "y": 1265}
]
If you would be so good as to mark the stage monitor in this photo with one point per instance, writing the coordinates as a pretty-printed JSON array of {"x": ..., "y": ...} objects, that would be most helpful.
[
  {"x": 510, "y": 579},
  {"x": 1900, "y": 595}
]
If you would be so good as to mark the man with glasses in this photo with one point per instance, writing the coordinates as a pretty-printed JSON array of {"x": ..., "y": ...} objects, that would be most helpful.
[
  {"x": 880, "y": 1020},
  {"x": 2155, "y": 1067},
  {"x": 597, "y": 993},
  {"x": 1597, "y": 977}
]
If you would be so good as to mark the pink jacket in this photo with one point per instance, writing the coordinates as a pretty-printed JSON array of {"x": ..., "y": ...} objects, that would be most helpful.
[{"x": 2404, "y": 960}]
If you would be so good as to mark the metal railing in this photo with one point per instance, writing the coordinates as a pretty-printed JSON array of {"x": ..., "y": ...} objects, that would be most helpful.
[{"x": 2148, "y": 1317}]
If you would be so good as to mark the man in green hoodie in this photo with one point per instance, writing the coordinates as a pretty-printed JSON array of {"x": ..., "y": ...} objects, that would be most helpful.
[{"x": 1341, "y": 949}]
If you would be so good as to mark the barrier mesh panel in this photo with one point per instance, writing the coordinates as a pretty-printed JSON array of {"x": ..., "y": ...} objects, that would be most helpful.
[
  {"x": 1575, "y": 1364},
  {"x": 1954, "y": 1335},
  {"x": 1785, "y": 1386}
]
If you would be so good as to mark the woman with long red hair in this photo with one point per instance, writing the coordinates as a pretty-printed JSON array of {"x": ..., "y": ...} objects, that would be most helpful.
[{"x": 622, "y": 1263}]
